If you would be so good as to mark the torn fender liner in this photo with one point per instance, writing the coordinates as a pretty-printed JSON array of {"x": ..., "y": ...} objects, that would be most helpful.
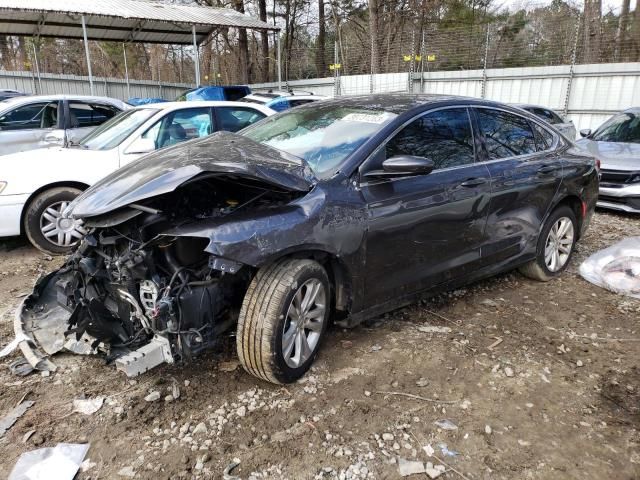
[{"x": 164, "y": 171}]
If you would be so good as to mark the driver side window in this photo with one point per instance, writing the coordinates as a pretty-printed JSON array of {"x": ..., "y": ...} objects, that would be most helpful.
[
  {"x": 444, "y": 136},
  {"x": 180, "y": 126}
]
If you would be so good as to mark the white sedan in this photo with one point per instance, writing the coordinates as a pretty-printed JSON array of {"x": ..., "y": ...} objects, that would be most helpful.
[{"x": 36, "y": 186}]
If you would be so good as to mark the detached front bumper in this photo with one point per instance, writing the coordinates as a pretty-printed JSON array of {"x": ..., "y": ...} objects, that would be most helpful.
[{"x": 624, "y": 198}]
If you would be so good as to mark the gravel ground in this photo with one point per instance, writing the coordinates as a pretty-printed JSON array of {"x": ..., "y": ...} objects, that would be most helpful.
[{"x": 505, "y": 379}]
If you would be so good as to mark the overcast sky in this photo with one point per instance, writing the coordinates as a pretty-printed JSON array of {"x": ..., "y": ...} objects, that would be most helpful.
[{"x": 606, "y": 4}]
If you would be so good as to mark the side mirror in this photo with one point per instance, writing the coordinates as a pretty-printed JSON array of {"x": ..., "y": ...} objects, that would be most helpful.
[
  {"x": 403, "y": 166},
  {"x": 141, "y": 145},
  {"x": 585, "y": 132}
]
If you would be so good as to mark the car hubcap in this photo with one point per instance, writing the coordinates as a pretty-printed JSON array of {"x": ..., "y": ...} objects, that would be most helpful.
[
  {"x": 304, "y": 322},
  {"x": 58, "y": 229},
  {"x": 559, "y": 244}
]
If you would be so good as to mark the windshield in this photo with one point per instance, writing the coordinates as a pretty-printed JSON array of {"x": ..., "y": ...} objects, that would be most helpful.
[
  {"x": 113, "y": 132},
  {"x": 324, "y": 136},
  {"x": 624, "y": 128}
]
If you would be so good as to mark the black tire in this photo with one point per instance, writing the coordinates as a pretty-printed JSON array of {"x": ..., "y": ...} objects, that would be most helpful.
[
  {"x": 34, "y": 211},
  {"x": 262, "y": 320},
  {"x": 537, "y": 269}
]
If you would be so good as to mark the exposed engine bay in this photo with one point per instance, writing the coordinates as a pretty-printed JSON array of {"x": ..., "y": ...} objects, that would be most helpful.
[{"x": 139, "y": 295}]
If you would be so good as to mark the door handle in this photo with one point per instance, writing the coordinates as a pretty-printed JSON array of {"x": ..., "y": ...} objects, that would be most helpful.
[
  {"x": 546, "y": 170},
  {"x": 473, "y": 182}
]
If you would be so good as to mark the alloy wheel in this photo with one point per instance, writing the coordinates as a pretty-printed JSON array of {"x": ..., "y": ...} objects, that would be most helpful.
[
  {"x": 304, "y": 322},
  {"x": 559, "y": 244}
]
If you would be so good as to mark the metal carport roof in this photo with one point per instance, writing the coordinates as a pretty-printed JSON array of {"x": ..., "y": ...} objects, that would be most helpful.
[
  {"x": 123, "y": 21},
  {"x": 119, "y": 20}
]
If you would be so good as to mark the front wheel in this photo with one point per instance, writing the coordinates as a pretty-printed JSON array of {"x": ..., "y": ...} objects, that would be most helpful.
[
  {"x": 555, "y": 246},
  {"x": 283, "y": 319},
  {"x": 46, "y": 226}
]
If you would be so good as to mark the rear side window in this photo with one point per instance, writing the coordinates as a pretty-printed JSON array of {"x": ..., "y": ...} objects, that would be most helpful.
[
  {"x": 544, "y": 138},
  {"x": 547, "y": 115},
  {"x": 443, "y": 136},
  {"x": 29, "y": 117},
  {"x": 82, "y": 114},
  {"x": 506, "y": 134},
  {"x": 232, "y": 119}
]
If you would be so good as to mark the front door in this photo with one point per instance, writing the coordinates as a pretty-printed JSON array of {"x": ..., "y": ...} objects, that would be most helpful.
[{"x": 425, "y": 229}]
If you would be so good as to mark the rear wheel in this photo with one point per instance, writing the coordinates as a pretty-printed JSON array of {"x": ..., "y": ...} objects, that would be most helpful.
[
  {"x": 45, "y": 225},
  {"x": 283, "y": 319},
  {"x": 555, "y": 246}
]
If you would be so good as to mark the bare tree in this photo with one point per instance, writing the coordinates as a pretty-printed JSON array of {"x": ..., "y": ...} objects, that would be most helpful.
[
  {"x": 262, "y": 11},
  {"x": 321, "y": 61},
  {"x": 374, "y": 22},
  {"x": 592, "y": 30},
  {"x": 621, "y": 32}
]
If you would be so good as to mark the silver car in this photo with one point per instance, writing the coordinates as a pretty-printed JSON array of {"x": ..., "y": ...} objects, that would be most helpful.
[
  {"x": 564, "y": 126},
  {"x": 616, "y": 143},
  {"x": 40, "y": 121}
]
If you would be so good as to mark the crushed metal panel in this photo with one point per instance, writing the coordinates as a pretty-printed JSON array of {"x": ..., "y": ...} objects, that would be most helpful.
[{"x": 146, "y": 357}]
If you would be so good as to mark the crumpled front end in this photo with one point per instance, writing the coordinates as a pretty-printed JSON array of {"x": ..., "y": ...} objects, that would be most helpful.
[{"x": 138, "y": 292}]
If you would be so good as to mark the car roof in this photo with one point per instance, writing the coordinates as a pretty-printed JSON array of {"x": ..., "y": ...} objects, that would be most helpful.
[
  {"x": 50, "y": 98},
  {"x": 400, "y": 103},
  {"x": 201, "y": 103}
]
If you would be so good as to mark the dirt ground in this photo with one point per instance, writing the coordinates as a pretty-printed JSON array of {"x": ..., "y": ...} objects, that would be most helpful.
[{"x": 537, "y": 380}]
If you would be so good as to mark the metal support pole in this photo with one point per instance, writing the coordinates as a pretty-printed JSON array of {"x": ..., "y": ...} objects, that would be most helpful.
[
  {"x": 86, "y": 51},
  {"x": 412, "y": 62},
  {"x": 37, "y": 65},
  {"x": 571, "y": 68},
  {"x": 423, "y": 54},
  {"x": 484, "y": 66},
  {"x": 126, "y": 69},
  {"x": 278, "y": 60},
  {"x": 336, "y": 70},
  {"x": 197, "y": 59}
]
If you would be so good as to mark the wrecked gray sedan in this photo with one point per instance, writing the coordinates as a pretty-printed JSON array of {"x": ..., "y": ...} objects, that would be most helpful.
[{"x": 348, "y": 208}]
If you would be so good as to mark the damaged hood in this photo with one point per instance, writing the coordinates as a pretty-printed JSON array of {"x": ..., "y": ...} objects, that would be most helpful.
[{"x": 164, "y": 171}]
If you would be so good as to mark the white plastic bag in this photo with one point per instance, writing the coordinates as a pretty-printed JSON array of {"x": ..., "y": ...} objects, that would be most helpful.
[
  {"x": 616, "y": 268},
  {"x": 52, "y": 463}
]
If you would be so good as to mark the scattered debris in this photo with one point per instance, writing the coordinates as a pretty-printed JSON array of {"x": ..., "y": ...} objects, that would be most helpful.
[
  {"x": 446, "y": 424},
  {"x": 417, "y": 397},
  {"x": 488, "y": 430},
  {"x": 52, "y": 463},
  {"x": 446, "y": 452},
  {"x": 153, "y": 396},
  {"x": 228, "y": 366},
  {"x": 579, "y": 363},
  {"x": 428, "y": 449},
  {"x": 495, "y": 344},
  {"x": 21, "y": 367},
  {"x": 376, "y": 348},
  {"x": 27, "y": 436},
  {"x": 422, "y": 382},
  {"x": 489, "y": 303},
  {"x": 410, "y": 467},
  {"x": 508, "y": 371},
  {"x": 12, "y": 417},
  {"x": 434, "y": 471},
  {"x": 87, "y": 465},
  {"x": 226, "y": 474},
  {"x": 88, "y": 406},
  {"x": 434, "y": 329}
]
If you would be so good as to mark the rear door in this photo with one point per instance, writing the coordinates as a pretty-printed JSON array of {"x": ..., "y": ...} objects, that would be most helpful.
[
  {"x": 83, "y": 116},
  {"x": 525, "y": 174},
  {"x": 425, "y": 229},
  {"x": 30, "y": 126}
]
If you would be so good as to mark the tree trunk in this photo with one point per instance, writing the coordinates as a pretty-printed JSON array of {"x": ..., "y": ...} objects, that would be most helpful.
[
  {"x": 621, "y": 32},
  {"x": 373, "y": 32},
  {"x": 262, "y": 12},
  {"x": 592, "y": 30},
  {"x": 243, "y": 47},
  {"x": 321, "y": 61}
]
